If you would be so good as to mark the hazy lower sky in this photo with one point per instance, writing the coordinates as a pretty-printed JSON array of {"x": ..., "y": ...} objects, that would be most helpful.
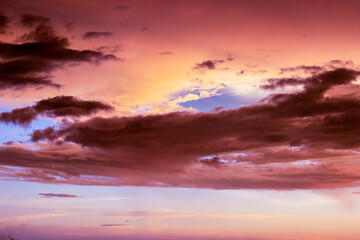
[{"x": 182, "y": 120}]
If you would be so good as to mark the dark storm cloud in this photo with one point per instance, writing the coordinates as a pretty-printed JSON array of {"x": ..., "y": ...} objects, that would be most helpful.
[
  {"x": 208, "y": 64},
  {"x": 91, "y": 35},
  {"x": 60, "y": 106},
  {"x": 37, "y": 53},
  {"x": 59, "y": 195}
]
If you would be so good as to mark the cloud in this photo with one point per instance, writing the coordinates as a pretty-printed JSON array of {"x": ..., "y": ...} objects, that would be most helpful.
[
  {"x": 218, "y": 109},
  {"x": 4, "y": 20},
  {"x": 61, "y": 164},
  {"x": 48, "y": 133},
  {"x": 91, "y": 35},
  {"x": 208, "y": 64},
  {"x": 21, "y": 116},
  {"x": 166, "y": 53},
  {"x": 69, "y": 26},
  {"x": 60, "y": 106},
  {"x": 25, "y": 72},
  {"x": 306, "y": 139},
  {"x": 304, "y": 68},
  {"x": 316, "y": 69},
  {"x": 30, "y": 60},
  {"x": 123, "y": 7},
  {"x": 114, "y": 225},
  {"x": 31, "y": 20},
  {"x": 61, "y": 195},
  {"x": 318, "y": 83},
  {"x": 52, "y": 50}
]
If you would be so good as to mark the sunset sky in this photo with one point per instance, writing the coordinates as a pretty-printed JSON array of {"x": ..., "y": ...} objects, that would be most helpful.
[{"x": 179, "y": 120}]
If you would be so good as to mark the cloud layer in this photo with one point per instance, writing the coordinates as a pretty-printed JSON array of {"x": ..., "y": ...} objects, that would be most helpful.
[{"x": 306, "y": 139}]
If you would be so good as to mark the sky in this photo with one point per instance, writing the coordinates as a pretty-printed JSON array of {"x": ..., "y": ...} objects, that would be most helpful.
[{"x": 179, "y": 120}]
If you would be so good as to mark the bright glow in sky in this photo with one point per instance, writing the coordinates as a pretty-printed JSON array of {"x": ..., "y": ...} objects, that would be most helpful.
[{"x": 156, "y": 119}]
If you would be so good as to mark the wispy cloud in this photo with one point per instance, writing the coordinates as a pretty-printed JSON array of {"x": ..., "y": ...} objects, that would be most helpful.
[
  {"x": 114, "y": 225},
  {"x": 91, "y": 35},
  {"x": 57, "y": 195},
  {"x": 33, "y": 217},
  {"x": 172, "y": 213},
  {"x": 207, "y": 64},
  {"x": 123, "y": 7}
]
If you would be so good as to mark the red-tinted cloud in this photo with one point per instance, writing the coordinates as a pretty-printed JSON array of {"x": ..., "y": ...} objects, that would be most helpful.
[
  {"x": 37, "y": 53},
  {"x": 68, "y": 164},
  {"x": 60, "y": 106},
  {"x": 31, "y": 20},
  {"x": 4, "y": 20}
]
